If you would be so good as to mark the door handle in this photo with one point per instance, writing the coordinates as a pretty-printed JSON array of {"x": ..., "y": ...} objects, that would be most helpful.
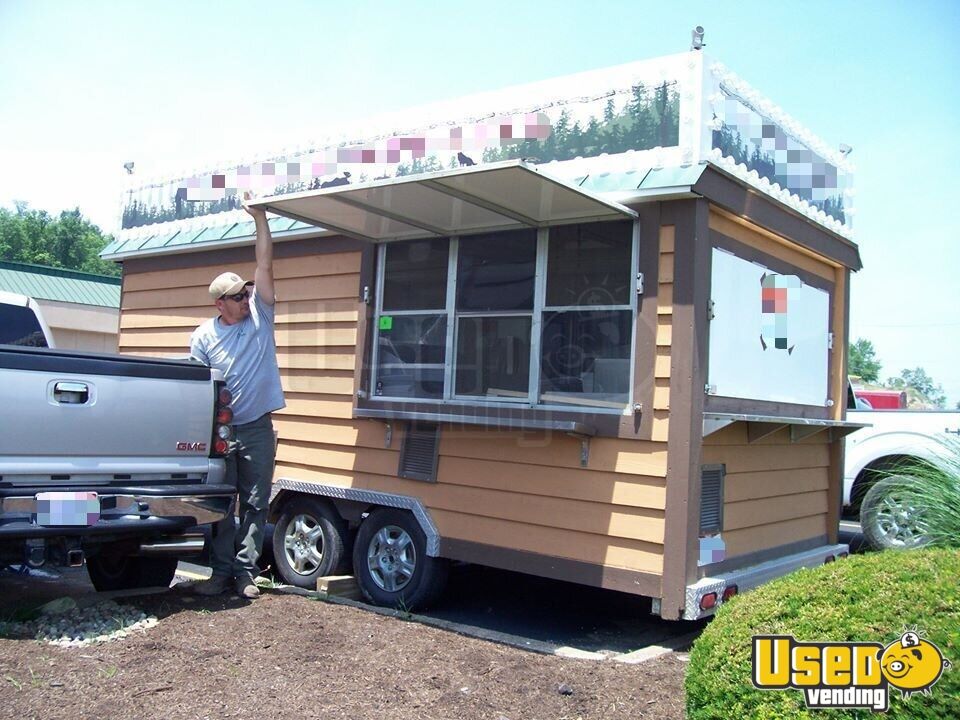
[{"x": 71, "y": 393}]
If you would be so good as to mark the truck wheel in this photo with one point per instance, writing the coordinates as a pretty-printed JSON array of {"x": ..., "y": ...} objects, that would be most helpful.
[
  {"x": 308, "y": 541},
  {"x": 391, "y": 564},
  {"x": 110, "y": 571},
  {"x": 888, "y": 519}
]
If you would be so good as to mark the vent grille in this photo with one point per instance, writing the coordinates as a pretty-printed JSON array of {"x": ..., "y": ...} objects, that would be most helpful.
[
  {"x": 711, "y": 499},
  {"x": 418, "y": 456}
]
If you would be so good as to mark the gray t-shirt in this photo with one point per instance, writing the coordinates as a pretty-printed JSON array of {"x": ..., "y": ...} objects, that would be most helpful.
[{"x": 246, "y": 354}]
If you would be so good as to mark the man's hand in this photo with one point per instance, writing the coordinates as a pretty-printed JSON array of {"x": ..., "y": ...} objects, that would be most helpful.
[{"x": 246, "y": 197}]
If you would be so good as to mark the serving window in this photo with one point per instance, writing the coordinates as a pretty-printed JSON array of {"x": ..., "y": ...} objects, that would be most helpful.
[{"x": 530, "y": 317}]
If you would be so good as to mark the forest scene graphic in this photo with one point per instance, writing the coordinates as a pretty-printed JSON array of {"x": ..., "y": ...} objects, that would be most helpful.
[
  {"x": 647, "y": 117},
  {"x": 762, "y": 145}
]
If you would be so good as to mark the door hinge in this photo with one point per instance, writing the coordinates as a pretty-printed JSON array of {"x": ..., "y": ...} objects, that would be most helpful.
[
  {"x": 830, "y": 341},
  {"x": 639, "y": 283}
]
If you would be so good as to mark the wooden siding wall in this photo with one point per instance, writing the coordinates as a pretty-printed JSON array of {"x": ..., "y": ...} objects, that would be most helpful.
[
  {"x": 523, "y": 491},
  {"x": 778, "y": 492},
  {"x": 775, "y": 491}
]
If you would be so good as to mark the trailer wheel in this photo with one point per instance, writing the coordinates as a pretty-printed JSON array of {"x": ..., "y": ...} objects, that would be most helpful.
[
  {"x": 888, "y": 519},
  {"x": 391, "y": 564},
  {"x": 113, "y": 571},
  {"x": 308, "y": 541}
]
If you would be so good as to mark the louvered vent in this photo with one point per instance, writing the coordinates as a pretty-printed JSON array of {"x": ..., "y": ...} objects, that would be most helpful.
[
  {"x": 711, "y": 499},
  {"x": 418, "y": 456}
]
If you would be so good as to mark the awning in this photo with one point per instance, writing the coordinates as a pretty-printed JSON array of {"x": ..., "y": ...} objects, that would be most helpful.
[
  {"x": 497, "y": 196},
  {"x": 760, "y": 426}
]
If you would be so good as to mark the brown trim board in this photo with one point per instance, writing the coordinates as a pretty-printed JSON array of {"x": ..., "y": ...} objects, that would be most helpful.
[
  {"x": 688, "y": 363},
  {"x": 722, "y": 189},
  {"x": 639, "y": 425},
  {"x": 577, "y": 571},
  {"x": 368, "y": 288},
  {"x": 746, "y": 252}
]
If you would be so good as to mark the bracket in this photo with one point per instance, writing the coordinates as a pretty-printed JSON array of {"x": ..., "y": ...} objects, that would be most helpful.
[{"x": 388, "y": 435}]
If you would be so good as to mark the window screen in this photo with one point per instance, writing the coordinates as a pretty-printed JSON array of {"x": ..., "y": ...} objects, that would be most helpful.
[
  {"x": 589, "y": 264},
  {"x": 539, "y": 317},
  {"x": 415, "y": 275},
  {"x": 585, "y": 356},
  {"x": 493, "y": 356},
  {"x": 411, "y": 355},
  {"x": 496, "y": 271}
]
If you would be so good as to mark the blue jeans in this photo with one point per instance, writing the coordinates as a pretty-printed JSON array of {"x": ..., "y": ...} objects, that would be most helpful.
[{"x": 234, "y": 551}]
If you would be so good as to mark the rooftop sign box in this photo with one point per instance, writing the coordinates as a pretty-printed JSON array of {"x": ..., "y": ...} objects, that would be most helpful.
[{"x": 603, "y": 130}]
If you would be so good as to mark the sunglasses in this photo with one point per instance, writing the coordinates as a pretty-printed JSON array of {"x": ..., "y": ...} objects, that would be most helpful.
[{"x": 239, "y": 297}]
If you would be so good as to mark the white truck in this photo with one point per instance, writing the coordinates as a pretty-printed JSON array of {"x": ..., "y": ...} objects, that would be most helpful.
[
  {"x": 107, "y": 460},
  {"x": 894, "y": 440}
]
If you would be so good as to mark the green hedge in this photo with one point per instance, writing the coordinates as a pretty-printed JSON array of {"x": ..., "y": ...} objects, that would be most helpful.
[{"x": 871, "y": 597}]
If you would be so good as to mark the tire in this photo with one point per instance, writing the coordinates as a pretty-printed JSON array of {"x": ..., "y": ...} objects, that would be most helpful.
[
  {"x": 308, "y": 541},
  {"x": 391, "y": 564},
  {"x": 112, "y": 571},
  {"x": 887, "y": 519}
]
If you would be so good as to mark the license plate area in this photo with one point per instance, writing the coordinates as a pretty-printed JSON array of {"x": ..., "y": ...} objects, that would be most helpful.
[{"x": 67, "y": 509}]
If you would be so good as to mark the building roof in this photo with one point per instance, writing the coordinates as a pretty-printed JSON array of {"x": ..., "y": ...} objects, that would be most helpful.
[{"x": 69, "y": 286}]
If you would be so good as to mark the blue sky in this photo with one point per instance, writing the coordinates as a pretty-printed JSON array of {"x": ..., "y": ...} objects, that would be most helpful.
[{"x": 86, "y": 86}]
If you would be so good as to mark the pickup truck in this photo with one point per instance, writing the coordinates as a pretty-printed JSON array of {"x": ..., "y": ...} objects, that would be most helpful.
[
  {"x": 894, "y": 440},
  {"x": 107, "y": 460}
]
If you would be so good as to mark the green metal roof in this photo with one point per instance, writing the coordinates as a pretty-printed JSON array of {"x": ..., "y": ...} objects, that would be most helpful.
[
  {"x": 196, "y": 235},
  {"x": 70, "y": 286}
]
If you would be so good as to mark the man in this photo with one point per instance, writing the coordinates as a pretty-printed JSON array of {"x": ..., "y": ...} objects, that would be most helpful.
[{"x": 240, "y": 343}]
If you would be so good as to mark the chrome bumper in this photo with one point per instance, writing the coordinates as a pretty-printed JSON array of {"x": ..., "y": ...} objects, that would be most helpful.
[{"x": 125, "y": 513}]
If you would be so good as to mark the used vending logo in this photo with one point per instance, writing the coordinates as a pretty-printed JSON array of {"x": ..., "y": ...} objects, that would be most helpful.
[{"x": 847, "y": 675}]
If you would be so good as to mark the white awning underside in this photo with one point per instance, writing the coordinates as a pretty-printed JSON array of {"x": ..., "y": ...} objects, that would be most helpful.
[{"x": 500, "y": 196}]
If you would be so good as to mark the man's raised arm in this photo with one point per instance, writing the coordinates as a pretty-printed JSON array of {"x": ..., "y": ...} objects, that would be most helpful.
[{"x": 263, "y": 277}]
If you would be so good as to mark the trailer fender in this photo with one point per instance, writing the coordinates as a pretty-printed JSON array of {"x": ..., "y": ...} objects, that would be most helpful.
[{"x": 366, "y": 497}]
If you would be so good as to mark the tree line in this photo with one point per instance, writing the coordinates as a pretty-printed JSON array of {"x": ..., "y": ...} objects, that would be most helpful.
[
  {"x": 67, "y": 241},
  {"x": 921, "y": 389}
]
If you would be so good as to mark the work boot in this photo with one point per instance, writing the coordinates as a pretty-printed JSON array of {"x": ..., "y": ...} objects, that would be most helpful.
[
  {"x": 216, "y": 585},
  {"x": 246, "y": 587}
]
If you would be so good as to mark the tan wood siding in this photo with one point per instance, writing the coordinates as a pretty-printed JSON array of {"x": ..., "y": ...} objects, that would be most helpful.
[
  {"x": 519, "y": 490},
  {"x": 775, "y": 490},
  {"x": 770, "y": 244}
]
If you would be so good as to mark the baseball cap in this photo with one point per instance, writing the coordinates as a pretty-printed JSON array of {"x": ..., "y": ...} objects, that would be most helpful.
[{"x": 228, "y": 283}]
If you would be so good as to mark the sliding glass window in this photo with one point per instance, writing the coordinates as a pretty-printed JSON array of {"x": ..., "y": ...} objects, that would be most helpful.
[{"x": 536, "y": 317}]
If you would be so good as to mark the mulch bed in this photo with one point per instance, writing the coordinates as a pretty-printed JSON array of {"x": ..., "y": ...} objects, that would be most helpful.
[{"x": 286, "y": 656}]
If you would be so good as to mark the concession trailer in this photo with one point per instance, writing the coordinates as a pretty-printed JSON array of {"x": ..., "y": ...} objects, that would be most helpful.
[{"x": 591, "y": 328}]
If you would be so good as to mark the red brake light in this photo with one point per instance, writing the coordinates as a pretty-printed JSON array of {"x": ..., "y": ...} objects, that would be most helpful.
[
  {"x": 708, "y": 601},
  {"x": 220, "y": 447},
  {"x": 729, "y": 592},
  {"x": 225, "y": 416},
  {"x": 225, "y": 397}
]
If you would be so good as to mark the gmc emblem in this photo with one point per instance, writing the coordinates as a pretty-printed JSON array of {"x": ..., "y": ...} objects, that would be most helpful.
[{"x": 191, "y": 447}]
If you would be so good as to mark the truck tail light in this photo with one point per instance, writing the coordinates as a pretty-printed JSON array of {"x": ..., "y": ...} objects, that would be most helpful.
[
  {"x": 222, "y": 417},
  {"x": 729, "y": 591}
]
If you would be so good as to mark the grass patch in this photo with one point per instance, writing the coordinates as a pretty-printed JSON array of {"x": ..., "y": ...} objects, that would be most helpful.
[
  {"x": 933, "y": 490},
  {"x": 872, "y": 597}
]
